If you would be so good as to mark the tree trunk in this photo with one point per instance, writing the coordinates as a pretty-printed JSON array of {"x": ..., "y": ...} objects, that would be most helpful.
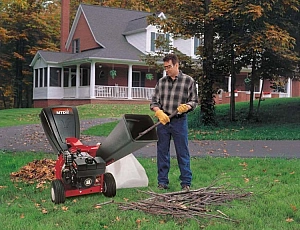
[
  {"x": 18, "y": 85},
  {"x": 260, "y": 99},
  {"x": 233, "y": 81},
  {"x": 207, "y": 100},
  {"x": 3, "y": 98},
  {"x": 253, "y": 77}
]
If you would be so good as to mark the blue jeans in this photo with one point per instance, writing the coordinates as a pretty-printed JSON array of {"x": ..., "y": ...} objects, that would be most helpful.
[{"x": 178, "y": 130}]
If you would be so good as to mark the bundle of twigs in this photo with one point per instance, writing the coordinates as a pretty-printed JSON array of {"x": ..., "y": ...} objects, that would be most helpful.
[{"x": 192, "y": 204}]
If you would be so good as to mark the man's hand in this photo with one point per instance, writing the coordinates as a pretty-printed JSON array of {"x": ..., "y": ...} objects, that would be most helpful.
[
  {"x": 162, "y": 117},
  {"x": 183, "y": 108}
]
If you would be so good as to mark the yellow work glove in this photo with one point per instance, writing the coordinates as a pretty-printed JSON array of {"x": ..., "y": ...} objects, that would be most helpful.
[
  {"x": 162, "y": 117},
  {"x": 183, "y": 108}
]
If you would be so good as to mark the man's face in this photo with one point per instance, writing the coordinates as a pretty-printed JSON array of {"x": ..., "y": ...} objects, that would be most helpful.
[{"x": 171, "y": 70}]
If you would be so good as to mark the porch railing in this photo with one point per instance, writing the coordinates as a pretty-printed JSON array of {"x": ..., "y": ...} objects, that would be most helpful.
[{"x": 121, "y": 92}]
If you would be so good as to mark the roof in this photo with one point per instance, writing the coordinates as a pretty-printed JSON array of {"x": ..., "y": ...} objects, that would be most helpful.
[
  {"x": 51, "y": 57},
  {"x": 108, "y": 26},
  {"x": 136, "y": 25}
]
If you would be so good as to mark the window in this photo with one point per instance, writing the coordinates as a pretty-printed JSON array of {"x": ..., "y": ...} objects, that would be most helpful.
[
  {"x": 76, "y": 45},
  {"x": 138, "y": 79},
  {"x": 41, "y": 77},
  {"x": 55, "y": 76},
  {"x": 160, "y": 42},
  {"x": 36, "y": 78},
  {"x": 66, "y": 77},
  {"x": 45, "y": 76},
  {"x": 84, "y": 76},
  {"x": 198, "y": 42},
  {"x": 73, "y": 79}
]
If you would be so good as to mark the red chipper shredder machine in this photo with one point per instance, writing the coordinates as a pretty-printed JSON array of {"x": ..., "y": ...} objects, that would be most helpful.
[{"x": 81, "y": 169}]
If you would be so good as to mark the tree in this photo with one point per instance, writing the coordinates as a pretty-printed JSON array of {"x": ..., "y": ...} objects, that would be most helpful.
[
  {"x": 258, "y": 34},
  {"x": 28, "y": 26},
  {"x": 190, "y": 19}
]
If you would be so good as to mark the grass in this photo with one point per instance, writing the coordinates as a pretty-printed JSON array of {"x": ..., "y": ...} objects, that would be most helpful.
[
  {"x": 273, "y": 181},
  {"x": 279, "y": 119},
  {"x": 24, "y": 116},
  {"x": 274, "y": 204}
]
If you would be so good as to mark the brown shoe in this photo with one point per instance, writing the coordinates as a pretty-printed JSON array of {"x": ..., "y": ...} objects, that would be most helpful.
[
  {"x": 185, "y": 188},
  {"x": 162, "y": 186}
]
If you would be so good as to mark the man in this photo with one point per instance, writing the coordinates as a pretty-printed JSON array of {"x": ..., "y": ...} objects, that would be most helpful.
[{"x": 174, "y": 92}]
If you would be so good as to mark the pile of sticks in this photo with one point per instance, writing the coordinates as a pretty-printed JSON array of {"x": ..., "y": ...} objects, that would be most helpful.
[{"x": 192, "y": 204}]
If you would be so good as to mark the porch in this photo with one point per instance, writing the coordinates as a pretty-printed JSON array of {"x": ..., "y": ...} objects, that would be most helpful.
[
  {"x": 112, "y": 92},
  {"x": 240, "y": 96}
]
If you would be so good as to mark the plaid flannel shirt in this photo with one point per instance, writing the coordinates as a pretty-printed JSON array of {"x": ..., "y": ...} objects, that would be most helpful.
[{"x": 169, "y": 94}]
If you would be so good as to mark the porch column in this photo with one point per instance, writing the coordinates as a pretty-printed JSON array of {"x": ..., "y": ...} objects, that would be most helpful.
[
  {"x": 62, "y": 78},
  {"x": 77, "y": 81},
  {"x": 70, "y": 78},
  {"x": 129, "y": 81},
  {"x": 48, "y": 81},
  {"x": 38, "y": 76},
  {"x": 229, "y": 84},
  {"x": 288, "y": 87},
  {"x": 92, "y": 80}
]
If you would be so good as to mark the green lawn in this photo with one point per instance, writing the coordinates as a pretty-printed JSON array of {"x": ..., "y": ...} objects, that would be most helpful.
[
  {"x": 274, "y": 183},
  {"x": 273, "y": 205}
]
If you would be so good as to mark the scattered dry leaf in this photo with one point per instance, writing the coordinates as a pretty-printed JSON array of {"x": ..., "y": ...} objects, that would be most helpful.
[
  {"x": 22, "y": 216},
  {"x": 138, "y": 222},
  {"x": 289, "y": 220},
  {"x": 244, "y": 164},
  {"x": 246, "y": 180},
  {"x": 294, "y": 208},
  {"x": 44, "y": 211},
  {"x": 64, "y": 208}
]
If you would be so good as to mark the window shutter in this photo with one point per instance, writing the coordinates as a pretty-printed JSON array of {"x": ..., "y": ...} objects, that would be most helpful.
[
  {"x": 168, "y": 41},
  {"x": 196, "y": 44},
  {"x": 152, "y": 42}
]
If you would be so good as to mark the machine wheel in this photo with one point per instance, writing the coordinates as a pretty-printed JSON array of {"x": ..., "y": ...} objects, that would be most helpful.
[
  {"x": 58, "y": 192},
  {"x": 109, "y": 185}
]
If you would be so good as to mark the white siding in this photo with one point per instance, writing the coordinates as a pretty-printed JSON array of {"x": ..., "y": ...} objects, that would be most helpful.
[
  {"x": 55, "y": 93},
  {"x": 48, "y": 93},
  {"x": 40, "y": 63},
  {"x": 84, "y": 91},
  {"x": 39, "y": 93},
  {"x": 186, "y": 46}
]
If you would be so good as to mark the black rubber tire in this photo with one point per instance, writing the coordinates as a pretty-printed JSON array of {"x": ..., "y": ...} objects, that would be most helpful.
[
  {"x": 109, "y": 185},
  {"x": 58, "y": 192}
]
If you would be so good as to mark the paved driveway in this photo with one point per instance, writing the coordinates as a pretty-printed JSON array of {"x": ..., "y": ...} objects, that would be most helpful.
[{"x": 32, "y": 138}]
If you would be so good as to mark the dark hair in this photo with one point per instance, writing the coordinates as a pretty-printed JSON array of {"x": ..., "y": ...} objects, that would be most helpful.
[{"x": 172, "y": 57}]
